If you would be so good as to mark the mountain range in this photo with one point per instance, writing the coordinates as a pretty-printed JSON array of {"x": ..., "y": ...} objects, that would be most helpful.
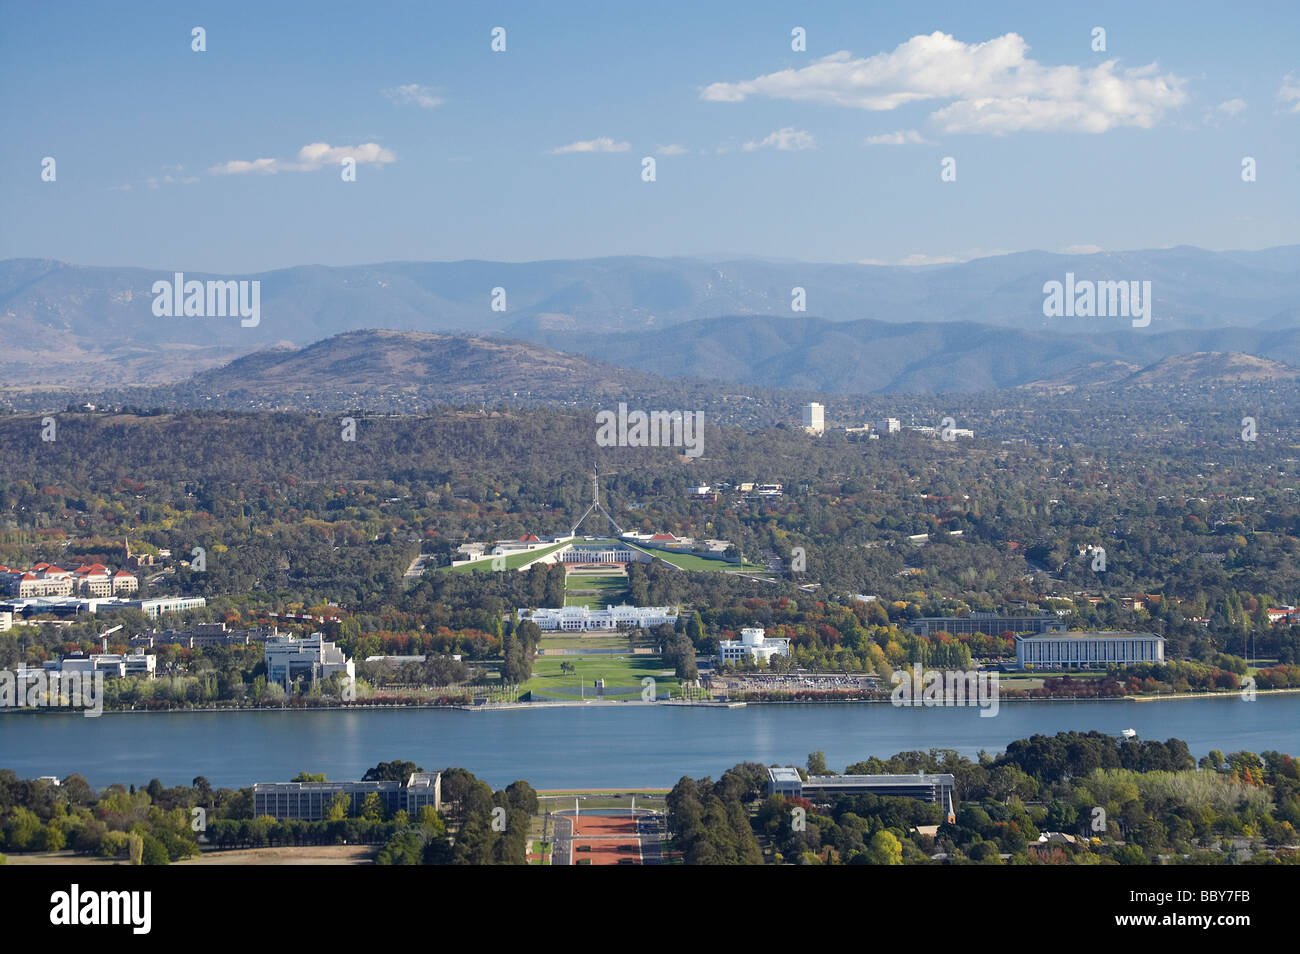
[
  {"x": 965, "y": 325},
  {"x": 976, "y": 325}
]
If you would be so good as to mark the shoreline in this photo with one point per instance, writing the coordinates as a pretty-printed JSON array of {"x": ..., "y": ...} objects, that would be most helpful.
[{"x": 612, "y": 703}]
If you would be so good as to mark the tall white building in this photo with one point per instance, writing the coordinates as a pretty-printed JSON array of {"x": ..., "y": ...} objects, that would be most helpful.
[
  {"x": 814, "y": 418},
  {"x": 890, "y": 425},
  {"x": 754, "y": 645}
]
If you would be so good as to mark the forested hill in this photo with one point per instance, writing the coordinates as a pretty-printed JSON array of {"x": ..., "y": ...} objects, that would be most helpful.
[{"x": 62, "y": 323}]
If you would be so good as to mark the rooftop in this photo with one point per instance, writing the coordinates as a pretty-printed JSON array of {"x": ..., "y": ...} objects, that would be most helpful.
[{"x": 1093, "y": 634}]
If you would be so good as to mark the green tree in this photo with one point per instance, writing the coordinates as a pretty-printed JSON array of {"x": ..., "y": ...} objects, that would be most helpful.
[
  {"x": 885, "y": 849},
  {"x": 372, "y": 807},
  {"x": 339, "y": 807}
]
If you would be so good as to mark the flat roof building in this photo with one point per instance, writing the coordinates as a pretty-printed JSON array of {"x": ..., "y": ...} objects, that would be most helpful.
[
  {"x": 574, "y": 619},
  {"x": 309, "y": 801},
  {"x": 138, "y": 663},
  {"x": 315, "y": 657},
  {"x": 990, "y": 624},
  {"x": 1091, "y": 650},
  {"x": 814, "y": 418},
  {"x": 935, "y": 788}
]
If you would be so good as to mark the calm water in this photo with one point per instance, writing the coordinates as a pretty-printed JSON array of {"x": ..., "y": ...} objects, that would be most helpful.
[{"x": 607, "y": 746}]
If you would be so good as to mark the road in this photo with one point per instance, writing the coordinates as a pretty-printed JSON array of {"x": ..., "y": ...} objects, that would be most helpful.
[
  {"x": 562, "y": 844},
  {"x": 649, "y": 835},
  {"x": 416, "y": 569}
]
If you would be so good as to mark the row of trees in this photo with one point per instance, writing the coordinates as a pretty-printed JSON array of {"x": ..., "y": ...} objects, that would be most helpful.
[{"x": 1107, "y": 800}]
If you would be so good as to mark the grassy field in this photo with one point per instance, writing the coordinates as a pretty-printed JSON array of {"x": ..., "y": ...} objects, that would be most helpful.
[
  {"x": 1032, "y": 681},
  {"x": 285, "y": 855},
  {"x": 610, "y": 589},
  {"x": 625, "y": 672},
  {"x": 597, "y": 801},
  {"x": 574, "y": 641},
  {"x": 513, "y": 562},
  {"x": 692, "y": 561}
]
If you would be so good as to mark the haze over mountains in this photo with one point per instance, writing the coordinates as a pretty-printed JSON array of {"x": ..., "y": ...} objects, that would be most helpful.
[
  {"x": 969, "y": 326},
  {"x": 396, "y": 371}
]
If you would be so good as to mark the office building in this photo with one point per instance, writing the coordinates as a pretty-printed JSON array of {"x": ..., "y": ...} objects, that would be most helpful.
[
  {"x": 937, "y": 788},
  {"x": 1091, "y": 650},
  {"x": 164, "y": 604},
  {"x": 314, "y": 657},
  {"x": 814, "y": 418},
  {"x": 310, "y": 801},
  {"x": 990, "y": 624},
  {"x": 111, "y": 664}
]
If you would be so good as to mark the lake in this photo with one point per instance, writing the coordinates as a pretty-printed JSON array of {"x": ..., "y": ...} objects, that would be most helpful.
[{"x": 602, "y": 745}]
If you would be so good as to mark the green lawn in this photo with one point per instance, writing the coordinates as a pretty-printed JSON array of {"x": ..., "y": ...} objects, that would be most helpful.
[
  {"x": 513, "y": 562},
  {"x": 619, "y": 672},
  {"x": 610, "y": 589},
  {"x": 692, "y": 561},
  {"x": 589, "y": 802},
  {"x": 1035, "y": 680},
  {"x": 574, "y": 641}
]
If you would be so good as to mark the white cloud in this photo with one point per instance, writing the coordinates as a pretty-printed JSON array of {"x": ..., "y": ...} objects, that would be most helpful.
[
  {"x": 1289, "y": 93},
  {"x": 413, "y": 94},
  {"x": 603, "y": 144},
  {"x": 1225, "y": 110},
  {"x": 310, "y": 157},
  {"x": 237, "y": 167},
  {"x": 904, "y": 137},
  {"x": 922, "y": 259},
  {"x": 993, "y": 87},
  {"x": 318, "y": 154},
  {"x": 1082, "y": 250},
  {"x": 786, "y": 139},
  {"x": 671, "y": 150}
]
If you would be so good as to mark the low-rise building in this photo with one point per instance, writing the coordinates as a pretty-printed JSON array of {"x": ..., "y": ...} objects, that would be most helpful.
[
  {"x": 310, "y": 801},
  {"x": 288, "y": 658},
  {"x": 46, "y": 579},
  {"x": 1090, "y": 650},
  {"x": 164, "y": 604},
  {"x": 990, "y": 624},
  {"x": 111, "y": 664},
  {"x": 572, "y": 619},
  {"x": 204, "y": 635},
  {"x": 935, "y": 788},
  {"x": 753, "y": 646}
]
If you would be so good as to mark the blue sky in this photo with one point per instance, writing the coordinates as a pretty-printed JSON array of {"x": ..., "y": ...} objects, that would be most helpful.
[{"x": 760, "y": 150}]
